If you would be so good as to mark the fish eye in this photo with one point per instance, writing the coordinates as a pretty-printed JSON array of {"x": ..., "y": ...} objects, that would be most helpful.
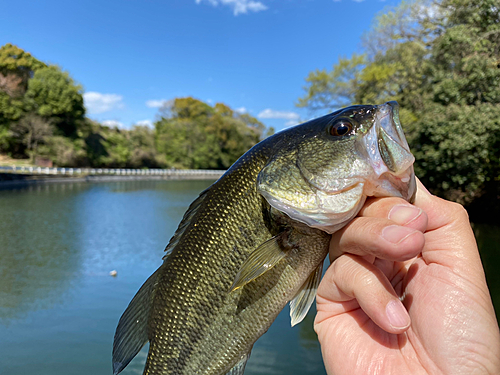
[{"x": 340, "y": 127}]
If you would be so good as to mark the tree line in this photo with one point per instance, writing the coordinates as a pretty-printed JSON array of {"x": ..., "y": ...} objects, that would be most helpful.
[
  {"x": 441, "y": 61},
  {"x": 42, "y": 114}
]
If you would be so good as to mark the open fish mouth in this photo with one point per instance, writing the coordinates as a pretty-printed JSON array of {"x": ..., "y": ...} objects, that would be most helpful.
[{"x": 389, "y": 156}]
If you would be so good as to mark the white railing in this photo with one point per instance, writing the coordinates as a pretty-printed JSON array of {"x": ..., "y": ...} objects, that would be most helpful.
[{"x": 108, "y": 171}]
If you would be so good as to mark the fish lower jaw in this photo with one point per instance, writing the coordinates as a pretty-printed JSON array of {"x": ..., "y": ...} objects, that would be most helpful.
[{"x": 390, "y": 184}]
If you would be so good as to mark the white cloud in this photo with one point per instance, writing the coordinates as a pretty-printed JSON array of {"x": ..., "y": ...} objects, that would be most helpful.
[
  {"x": 238, "y": 6},
  {"x": 95, "y": 102},
  {"x": 147, "y": 123},
  {"x": 112, "y": 123},
  {"x": 271, "y": 113},
  {"x": 156, "y": 103},
  {"x": 241, "y": 110}
]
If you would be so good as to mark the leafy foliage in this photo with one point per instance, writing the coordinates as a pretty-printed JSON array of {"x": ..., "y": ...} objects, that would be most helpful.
[
  {"x": 32, "y": 92},
  {"x": 337, "y": 88},
  {"x": 42, "y": 113},
  {"x": 192, "y": 134},
  {"x": 52, "y": 94},
  {"x": 16, "y": 68},
  {"x": 441, "y": 62},
  {"x": 31, "y": 130}
]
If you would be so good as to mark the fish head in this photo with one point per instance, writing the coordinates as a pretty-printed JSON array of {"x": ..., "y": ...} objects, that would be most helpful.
[{"x": 323, "y": 170}]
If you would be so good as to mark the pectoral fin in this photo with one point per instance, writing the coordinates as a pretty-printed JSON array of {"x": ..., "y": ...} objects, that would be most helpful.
[
  {"x": 302, "y": 302},
  {"x": 265, "y": 257}
]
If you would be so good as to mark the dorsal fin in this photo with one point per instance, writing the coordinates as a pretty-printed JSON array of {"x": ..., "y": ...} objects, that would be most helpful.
[
  {"x": 186, "y": 220},
  {"x": 132, "y": 331}
]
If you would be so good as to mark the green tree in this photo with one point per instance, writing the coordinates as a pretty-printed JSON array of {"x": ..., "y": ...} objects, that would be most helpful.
[
  {"x": 29, "y": 87},
  {"x": 16, "y": 68},
  {"x": 32, "y": 130},
  {"x": 142, "y": 144},
  {"x": 64, "y": 151},
  {"x": 328, "y": 90},
  {"x": 456, "y": 141},
  {"x": 441, "y": 62},
  {"x": 54, "y": 95},
  {"x": 192, "y": 134}
]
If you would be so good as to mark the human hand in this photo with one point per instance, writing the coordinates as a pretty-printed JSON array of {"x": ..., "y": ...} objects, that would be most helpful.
[{"x": 426, "y": 254}]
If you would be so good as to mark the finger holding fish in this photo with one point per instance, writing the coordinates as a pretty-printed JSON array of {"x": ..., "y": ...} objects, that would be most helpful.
[
  {"x": 368, "y": 275},
  {"x": 390, "y": 228}
]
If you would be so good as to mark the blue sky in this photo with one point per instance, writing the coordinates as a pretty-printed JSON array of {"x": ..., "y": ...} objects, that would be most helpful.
[{"x": 130, "y": 56}]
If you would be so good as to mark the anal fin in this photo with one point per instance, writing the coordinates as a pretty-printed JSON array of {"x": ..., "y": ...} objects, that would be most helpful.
[
  {"x": 239, "y": 368},
  {"x": 300, "y": 305}
]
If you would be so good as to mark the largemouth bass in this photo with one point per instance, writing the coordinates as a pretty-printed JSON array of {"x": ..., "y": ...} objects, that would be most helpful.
[{"x": 256, "y": 240}]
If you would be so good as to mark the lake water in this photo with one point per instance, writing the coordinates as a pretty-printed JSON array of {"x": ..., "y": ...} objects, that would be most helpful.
[{"x": 58, "y": 304}]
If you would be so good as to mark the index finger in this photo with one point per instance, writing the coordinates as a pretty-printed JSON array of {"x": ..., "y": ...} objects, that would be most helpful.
[{"x": 386, "y": 228}]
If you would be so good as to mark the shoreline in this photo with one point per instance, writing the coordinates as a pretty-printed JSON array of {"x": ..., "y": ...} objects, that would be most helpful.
[{"x": 13, "y": 180}]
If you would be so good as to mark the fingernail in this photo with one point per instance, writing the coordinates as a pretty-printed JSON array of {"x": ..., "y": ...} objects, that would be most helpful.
[
  {"x": 403, "y": 215},
  {"x": 396, "y": 233},
  {"x": 397, "y": 314}
]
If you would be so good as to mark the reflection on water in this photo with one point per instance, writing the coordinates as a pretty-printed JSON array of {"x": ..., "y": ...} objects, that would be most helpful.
[
  {"x": 58, "y": 303},
  {"x": 38, "y": 233}
]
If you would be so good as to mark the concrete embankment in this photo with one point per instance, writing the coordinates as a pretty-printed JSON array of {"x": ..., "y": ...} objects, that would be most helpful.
[{"x": 13, "y": 180}]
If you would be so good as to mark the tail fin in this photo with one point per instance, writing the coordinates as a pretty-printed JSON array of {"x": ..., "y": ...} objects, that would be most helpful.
[{"x": 132, "y": 331}]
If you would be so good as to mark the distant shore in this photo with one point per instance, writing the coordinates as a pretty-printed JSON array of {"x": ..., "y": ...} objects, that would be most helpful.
[{"x": 14, "y": 180}]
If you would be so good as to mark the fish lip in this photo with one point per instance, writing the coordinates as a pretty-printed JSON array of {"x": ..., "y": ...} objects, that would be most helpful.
[
  {"x": 327, "y": 210},
  {"x": 355, "y": 182},
  {"x": 349, "y": 183},
  {"x": 404, "y": 178},
  {"x": 320, "y": 217}
]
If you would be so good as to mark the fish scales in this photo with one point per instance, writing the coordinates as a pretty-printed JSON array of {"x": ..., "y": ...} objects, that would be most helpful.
[
  {"x": 256, "y": 239},
  {"x": 210, "y": 245},
  {"x": 212, "y": 249}
]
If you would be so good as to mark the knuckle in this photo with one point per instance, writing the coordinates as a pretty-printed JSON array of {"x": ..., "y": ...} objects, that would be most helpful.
[
  {"x": 365, "y": 280},
  {"x": 338, "y": 266},
  {"x": 349, "y": 270},
  {"x": 459, "y": 211}
]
